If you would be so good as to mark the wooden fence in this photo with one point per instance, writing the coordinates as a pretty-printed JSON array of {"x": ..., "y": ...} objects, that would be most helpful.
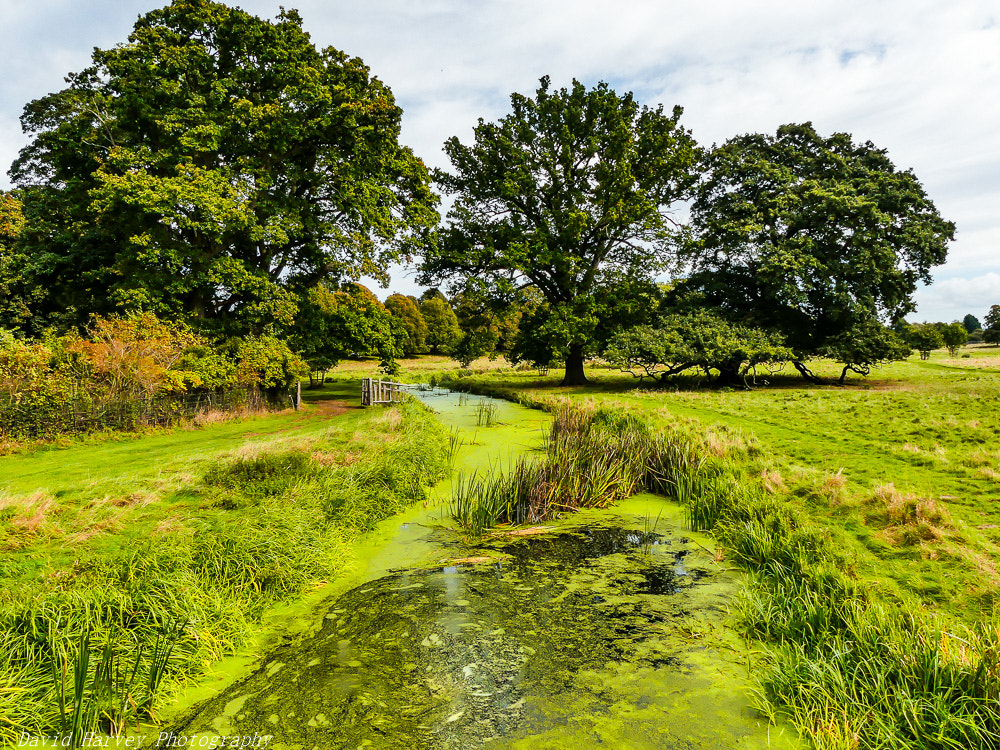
[{"x": 375, "y": 391}]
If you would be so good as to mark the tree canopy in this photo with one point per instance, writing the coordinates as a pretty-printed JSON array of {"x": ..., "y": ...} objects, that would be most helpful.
[
  {"x": 574, "y": 184},
  {"x": 333, "y": 325},
  {"x": 208, "y": 167},
  {"x": 991, "y": 331},
  {"x": 408, "y": 324},
  {"x": 813, "y": 237},
  {"x": 443, "y": 331},
  {"x": 699, "y": 339},
  {"x": 925, "y": 338}
]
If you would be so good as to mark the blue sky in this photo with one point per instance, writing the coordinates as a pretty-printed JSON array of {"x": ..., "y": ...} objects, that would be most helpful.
[{"x": 920, "y": 78}]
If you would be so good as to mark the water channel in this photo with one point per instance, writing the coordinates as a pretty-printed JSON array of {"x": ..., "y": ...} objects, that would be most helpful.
[{"x": 606, "y": 629}]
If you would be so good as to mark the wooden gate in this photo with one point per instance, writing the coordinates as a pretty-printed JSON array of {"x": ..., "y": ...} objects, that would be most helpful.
[{"x": 375, "y": 391}]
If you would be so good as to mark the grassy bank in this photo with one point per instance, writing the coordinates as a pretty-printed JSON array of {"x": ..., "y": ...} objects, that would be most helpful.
[
  {"x": 871, "y": 587},
  {"x": 121, "y": 585},
  {"x": 905, "y": 465},
  {"x": 850, "y": 661}
]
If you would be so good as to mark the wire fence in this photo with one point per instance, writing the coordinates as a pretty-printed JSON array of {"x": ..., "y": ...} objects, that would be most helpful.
[{"x": 44, "y": 417}]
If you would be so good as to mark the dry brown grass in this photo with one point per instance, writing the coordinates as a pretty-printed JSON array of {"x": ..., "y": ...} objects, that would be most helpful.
[
  {"x": 904, "y": 519},
  {"x": 721, "y": 440},
  {"x": 28, "y": 513},
  {"x": 218, "y": 416},
  {"x": 106, "y": 526},
  {"x": 988, "y": 473},
  {"x": 136, "y": 499},
  {"x": 773, "y": 480},
  {"x": 834, "y": 486},
  {"x": 170, "y": 525}
]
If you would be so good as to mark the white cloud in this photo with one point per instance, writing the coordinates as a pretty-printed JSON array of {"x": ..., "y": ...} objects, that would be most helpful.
[
  {"x": 917, "y": 77},
  {"x": 954, "y": 298}
]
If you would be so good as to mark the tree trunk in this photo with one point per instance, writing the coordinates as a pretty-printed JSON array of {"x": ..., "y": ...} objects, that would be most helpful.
[
  {"x": 574, "y": 367},
  {"x": 729, "y": 376},
  {"x": 806, "y": 372}
]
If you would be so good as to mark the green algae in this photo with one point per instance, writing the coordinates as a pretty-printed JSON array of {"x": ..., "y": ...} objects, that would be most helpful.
[
  {"x": 600, "y": 633},
  {"x": 580, "y": 636}
]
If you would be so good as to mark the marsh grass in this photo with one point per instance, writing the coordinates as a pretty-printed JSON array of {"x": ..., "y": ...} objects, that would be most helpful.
[
  {"x": 486, "y": 415},
  {"x": 92, "y": 642},
  {"x": 593, "y": 458},
  {"x": 853, "y": 663}
]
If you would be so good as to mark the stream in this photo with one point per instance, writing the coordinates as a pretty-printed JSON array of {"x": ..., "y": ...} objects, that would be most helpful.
[{"x": 602, "y": 629}]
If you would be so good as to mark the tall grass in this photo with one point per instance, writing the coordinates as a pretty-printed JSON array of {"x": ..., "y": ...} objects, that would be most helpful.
[
  {"x": 851, "y": 665},
  {"x": 93, "y": 648},
  {"x": 593, "y": 458},
  {"x": 486, "y": 415}
]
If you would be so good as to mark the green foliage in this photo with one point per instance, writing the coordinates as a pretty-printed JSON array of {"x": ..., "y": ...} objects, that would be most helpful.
[
  {"x": 409, "y": 325},
  {"x": 924, "y": 338},
  {"x": 864, "y": 345},
  {"x": 443, "y": 331},
  {"x": 568, "y": 190},
  {"x": 15, "y": 297},
  {"x": 813, "y": 237},
  {"x": 331, "y": 326},
  {"x": 700, "y": 339},
  {"x": 991, "y": 333},
  {"x": 955, "y": 336},
  {"x": 208, "y": 166},
  {"x": 130, "y": 371},
  {"x": 971, "y": 323}
]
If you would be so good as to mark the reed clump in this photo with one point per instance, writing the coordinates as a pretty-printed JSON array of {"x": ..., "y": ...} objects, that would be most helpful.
[{"x": 593, "y": 458}]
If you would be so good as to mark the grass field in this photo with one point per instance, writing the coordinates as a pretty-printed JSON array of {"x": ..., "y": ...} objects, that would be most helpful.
[
  {"x": 131, "y": 564},
  {"x": 904, "y": 464},
  {"x": 881, "y": 496}
]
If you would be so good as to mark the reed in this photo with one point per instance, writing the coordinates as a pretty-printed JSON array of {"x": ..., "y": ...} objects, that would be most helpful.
[{"x": 486, "y": 414}]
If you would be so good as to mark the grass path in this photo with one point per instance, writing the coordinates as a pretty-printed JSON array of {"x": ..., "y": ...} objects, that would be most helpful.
[{"x": 123, "y": 458}]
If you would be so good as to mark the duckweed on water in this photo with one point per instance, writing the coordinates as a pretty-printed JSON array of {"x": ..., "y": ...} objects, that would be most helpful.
[{"x": 573, "y": 639}]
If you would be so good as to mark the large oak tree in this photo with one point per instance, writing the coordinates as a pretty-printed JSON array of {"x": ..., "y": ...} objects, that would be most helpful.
[
  {"x": 209, "y": 165},
  {"x": 820, "y": 239},
  {"x": 574, "y": 187}
]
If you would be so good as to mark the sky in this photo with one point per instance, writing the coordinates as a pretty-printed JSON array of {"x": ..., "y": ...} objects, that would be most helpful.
[{"x": 919, "y": 78}]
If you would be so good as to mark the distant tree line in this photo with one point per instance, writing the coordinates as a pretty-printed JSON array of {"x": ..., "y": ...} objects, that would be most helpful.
[{"x": 219, "y": 172}]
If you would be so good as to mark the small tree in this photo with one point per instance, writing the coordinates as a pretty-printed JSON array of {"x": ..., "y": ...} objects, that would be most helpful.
[
  {"x": 443, "y": 331},
  {"x": 971, "y": 323},
  {"x": 335, "y": 325},
  {"x": 411, "y": 330},
  {"x": 866, "y": 345},
  {"x": 700, "y": 340},
  {"x": 955, "y": 336},
  {"x": 991, "y": 333},
  {"x": 925, "y": 338}
]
